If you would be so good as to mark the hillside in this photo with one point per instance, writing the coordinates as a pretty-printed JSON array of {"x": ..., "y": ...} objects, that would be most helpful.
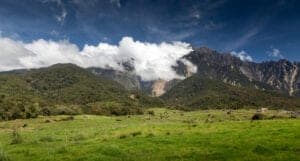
[
  {"x": 65, "y": 89},
  {"x": 67, "y": 83},
  {"x": 197, "y": 92}
]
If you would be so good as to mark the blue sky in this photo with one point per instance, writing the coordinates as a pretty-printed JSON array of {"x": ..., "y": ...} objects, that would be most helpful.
[{"x": 264, "y": 29}]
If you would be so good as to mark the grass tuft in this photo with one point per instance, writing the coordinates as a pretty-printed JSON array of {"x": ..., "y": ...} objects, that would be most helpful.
[
  {"x": 123, "y": 136},
  {"x": 47, "y": 139},
  {"x": 134, "y": 134},
  {"x": 16, "y": 138},
  {"x": 3, "y": 156}
]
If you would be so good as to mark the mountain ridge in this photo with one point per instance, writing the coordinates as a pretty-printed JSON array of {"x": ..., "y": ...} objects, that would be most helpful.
[{"x": 282, "y": 74}]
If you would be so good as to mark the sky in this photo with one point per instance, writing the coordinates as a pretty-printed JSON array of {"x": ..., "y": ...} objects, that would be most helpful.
[{"x": 254, "y": 30}]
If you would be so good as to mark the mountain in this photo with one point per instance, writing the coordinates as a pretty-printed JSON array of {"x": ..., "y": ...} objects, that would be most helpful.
[
  {"x": 65, "y": 88},
  {"x": 223, "y": 80},
  {"x": 282, "y": 75}
]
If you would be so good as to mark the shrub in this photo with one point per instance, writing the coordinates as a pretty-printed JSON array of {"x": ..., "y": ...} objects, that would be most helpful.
[
  {"x": 258, "y": 116},
  {"x": 18, "y": 107},
  {"x": 113, "y": 108},
  {"x": 46, "y": 111},
  {"x": 48, "y": 121},
  {"x": 151, "y": 112},
  {"x": 294, "y": 115},
  {"x": 150, "y": 135},
  {"x": 123, "y": 136},
  {"x": 134, "y": 134},
  {"x": 67, "y": 110}
]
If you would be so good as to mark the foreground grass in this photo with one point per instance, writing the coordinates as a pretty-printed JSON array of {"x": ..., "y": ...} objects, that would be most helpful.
[{"x": 167, "y": 135}]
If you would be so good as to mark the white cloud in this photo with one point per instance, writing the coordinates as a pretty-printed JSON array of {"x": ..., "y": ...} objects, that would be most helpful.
[
  {"x": 61, "y": 18},
  {"x": 244, "y": 56},
  {"x": 151, "y": 61},
  {"x": 11, "y": 52},
  {"x": 275, "y": 53}
]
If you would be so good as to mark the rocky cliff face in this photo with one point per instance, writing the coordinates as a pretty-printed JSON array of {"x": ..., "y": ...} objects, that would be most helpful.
[{"x": 282, "y": 75}]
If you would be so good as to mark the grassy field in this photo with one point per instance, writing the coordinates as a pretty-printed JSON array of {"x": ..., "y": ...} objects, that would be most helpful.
[{"x": 166, "y": 135}]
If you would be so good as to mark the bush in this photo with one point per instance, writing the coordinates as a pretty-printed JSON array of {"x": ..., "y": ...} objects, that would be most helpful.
[
  {"x": 18, "y": 108},
  {"x": 66, "y": 110},
  {"x": 123, "y": 136},
  {"x": 113, "y": 108},
  {"x": 150, "y": 135},
  {"x": 46, "y": 111},
  {"x": 134, "y": 134},
  {"x": 258, "y": 116},
  {"x": 151, "y": 113}
]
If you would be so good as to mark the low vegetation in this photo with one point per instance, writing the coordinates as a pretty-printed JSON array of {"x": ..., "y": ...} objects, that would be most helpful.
[{"x": 165, "y": 135}]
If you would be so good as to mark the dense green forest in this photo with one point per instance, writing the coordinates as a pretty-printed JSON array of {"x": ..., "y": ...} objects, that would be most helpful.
[{"x": 66, "y": 89}]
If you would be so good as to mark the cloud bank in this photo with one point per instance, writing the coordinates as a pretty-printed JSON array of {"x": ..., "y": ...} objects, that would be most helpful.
[
  {"x": 151, "y": 61},
  {"x": 244, "y": 56}
]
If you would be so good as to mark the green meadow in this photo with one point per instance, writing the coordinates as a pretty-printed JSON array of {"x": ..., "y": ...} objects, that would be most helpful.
[{"x": 159, "y": 134}]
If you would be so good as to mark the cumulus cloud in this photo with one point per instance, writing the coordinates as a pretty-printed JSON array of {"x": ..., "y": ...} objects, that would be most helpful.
[
  {"x": 151, "y": 61},
  {"x": 275, "y": 53},
  {"x": 244, "y": 56}
]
